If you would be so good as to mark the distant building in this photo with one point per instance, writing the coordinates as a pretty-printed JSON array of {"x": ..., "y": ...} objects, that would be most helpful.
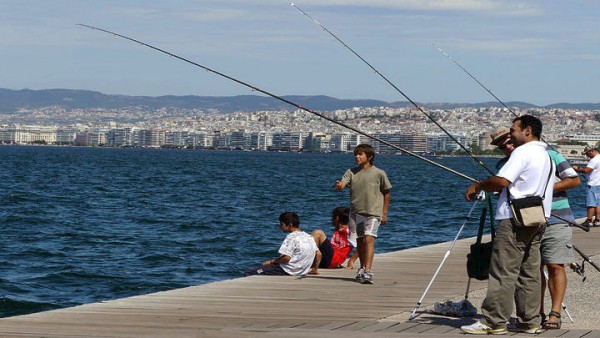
[
  {"x": 591, "y": 140},
  {"x": 571, "y": 151},
  {"x": 414, "y": 142},
  {"x": 341, "y": 142},
  {"x": 239, "y": 140},
  {"x": 153, "y": 138},
  {"x": 443, "y": 143},
  {"x": 287, "y": 141},
  {"x": 261, "y": 140},
  {"x": 119, "y": 137},
  {"x": 27, "y": 134},
  {"x": 65, "y": 135},
  {"x": 318, "y": 142}
]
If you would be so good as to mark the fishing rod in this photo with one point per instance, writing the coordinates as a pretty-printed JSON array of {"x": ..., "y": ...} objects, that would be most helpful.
[
  {"x": 282, "y": 99},
  {"x": 394, "y": 86},
  {"x": 586, "y": 259}
]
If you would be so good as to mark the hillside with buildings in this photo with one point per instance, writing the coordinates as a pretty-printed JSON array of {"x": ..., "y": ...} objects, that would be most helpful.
[{"x": 285, "y": 129}]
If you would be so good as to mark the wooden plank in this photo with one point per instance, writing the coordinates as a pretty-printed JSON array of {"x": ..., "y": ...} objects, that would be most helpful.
[{"x": 314, "y": 306}]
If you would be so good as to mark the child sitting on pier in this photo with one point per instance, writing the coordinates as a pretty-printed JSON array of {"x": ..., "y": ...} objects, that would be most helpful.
[
  {"x": 297, "y": 252},
  {"x": 334, "y": 252}
]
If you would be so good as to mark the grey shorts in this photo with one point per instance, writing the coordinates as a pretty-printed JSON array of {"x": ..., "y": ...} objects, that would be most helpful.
[
  {"x": 361, "y": 226},
  {"x": 557, "y": 244}
]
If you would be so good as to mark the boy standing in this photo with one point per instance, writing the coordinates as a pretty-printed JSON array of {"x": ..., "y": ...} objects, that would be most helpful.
[
  {"x": 369, "y": 199},
  {"x": 334, "y": 252},
  {"x": 297, "y": 252}
]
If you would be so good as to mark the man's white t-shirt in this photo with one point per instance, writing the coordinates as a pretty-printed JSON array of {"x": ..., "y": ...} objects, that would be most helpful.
[
  {"x": 301, "y": 248},
  {"x": 594, "y": 176},
  {"x": 527, "y": 169}
]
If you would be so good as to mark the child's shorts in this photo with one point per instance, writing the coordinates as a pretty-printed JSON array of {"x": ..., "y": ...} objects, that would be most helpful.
[{"x": 361, "y": 226}]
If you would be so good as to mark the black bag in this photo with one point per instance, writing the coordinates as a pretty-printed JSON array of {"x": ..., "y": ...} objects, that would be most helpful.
[
  {"x": 480, "y": 255},
  {"x": 478, "y": 260}
]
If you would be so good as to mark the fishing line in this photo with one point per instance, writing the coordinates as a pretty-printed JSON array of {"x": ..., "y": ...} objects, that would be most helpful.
[
  {"x": 484, "y": 87},
  {"x": 283, "y": 100},
  {"x": 394, "y": 86},
  {"x": 516, "y": 115}
]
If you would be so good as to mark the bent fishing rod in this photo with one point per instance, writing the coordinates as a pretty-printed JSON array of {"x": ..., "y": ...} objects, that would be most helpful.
[
  {"x": 394, "y": 86},
  {"x": 281, "y": 99}
]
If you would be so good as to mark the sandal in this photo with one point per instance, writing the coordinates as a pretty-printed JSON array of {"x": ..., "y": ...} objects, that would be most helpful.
[{"x": 552, "y": 324}]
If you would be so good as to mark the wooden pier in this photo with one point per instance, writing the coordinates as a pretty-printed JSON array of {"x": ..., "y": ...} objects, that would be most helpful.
[{"x": 329, "y": 304}]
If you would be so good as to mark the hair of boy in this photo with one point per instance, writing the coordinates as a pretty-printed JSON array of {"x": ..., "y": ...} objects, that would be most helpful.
[
  {"x": 531, "y": 121},
  {"x": 367, "y": 149},
  {"x": 289, "y": 217},
  {"x": 342, "y": 214}
]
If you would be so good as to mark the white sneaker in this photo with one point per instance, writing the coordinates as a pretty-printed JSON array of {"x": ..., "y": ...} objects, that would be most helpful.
[
  {"x": 360, "y": 275},
  {"x": 367, "y": 278},
  {"x": 480, "y": 328}
]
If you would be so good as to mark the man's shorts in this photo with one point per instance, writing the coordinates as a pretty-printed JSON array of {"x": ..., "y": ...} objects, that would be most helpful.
[
  {"x": 326, "y": 254},
  {"x": 361, "y": 226},
  {"x": 557, "y": 244},
  {"x": 592, "y": 196}
]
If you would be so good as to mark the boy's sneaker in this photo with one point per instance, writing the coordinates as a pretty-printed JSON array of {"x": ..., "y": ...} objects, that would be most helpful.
[
  {"x": 480, "y": 328},
  {"x": 367, "y": 278},
  {"x": 596, "y": 224},
  {"x": 360, "y": 275}
]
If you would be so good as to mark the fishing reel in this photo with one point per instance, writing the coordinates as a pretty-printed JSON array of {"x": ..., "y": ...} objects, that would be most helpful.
[{"x": 579, "y": 269}]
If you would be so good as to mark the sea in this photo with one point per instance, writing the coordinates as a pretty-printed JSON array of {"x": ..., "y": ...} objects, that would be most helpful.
[{"x": 81, "y": 225}]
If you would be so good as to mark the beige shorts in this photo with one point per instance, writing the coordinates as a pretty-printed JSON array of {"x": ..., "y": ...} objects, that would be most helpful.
[{"x": 361, "y": 226}]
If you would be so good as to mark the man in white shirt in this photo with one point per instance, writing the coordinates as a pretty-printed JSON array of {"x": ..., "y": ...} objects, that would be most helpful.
[
  {"x": 592, "y": 191},
  {"x": 515, "y": 264}
]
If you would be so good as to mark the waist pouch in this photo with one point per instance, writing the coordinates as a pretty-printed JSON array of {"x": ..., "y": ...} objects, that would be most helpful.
[{"x": 528, "y": 211}]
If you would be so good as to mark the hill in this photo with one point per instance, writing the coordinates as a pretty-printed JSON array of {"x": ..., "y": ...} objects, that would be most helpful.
[{"x": 11, "y": 101}]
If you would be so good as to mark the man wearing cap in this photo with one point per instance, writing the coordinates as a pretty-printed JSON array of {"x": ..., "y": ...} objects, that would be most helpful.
[
  {"x": 592, "y": 191},
  {"x": 501, "y": 139},
  {"x": 515, "y": 263}
]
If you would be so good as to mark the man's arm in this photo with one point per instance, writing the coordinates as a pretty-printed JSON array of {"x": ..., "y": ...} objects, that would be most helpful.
[
  {"x": 494, "y": 183},
  {"x": 567, "y": 183},
  {"x": 585, "y": 170}
]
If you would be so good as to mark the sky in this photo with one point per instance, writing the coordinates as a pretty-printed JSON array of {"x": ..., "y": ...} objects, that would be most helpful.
[{"x": 537, "y": 51}]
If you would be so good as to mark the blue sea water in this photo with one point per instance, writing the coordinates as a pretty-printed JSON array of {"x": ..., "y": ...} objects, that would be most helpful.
[{"x": 81, "y": 225}]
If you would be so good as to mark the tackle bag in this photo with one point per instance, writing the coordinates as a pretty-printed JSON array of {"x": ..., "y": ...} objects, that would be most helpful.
[
  {"x": 478, "y": 260},
  {"x": 480, "y": 254}
]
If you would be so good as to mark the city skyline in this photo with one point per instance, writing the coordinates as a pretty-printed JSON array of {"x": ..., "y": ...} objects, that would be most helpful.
[{"x": 540, "y": 52}]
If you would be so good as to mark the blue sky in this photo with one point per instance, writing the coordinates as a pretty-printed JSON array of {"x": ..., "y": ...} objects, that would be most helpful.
[{"x": 541, "y": 52}]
